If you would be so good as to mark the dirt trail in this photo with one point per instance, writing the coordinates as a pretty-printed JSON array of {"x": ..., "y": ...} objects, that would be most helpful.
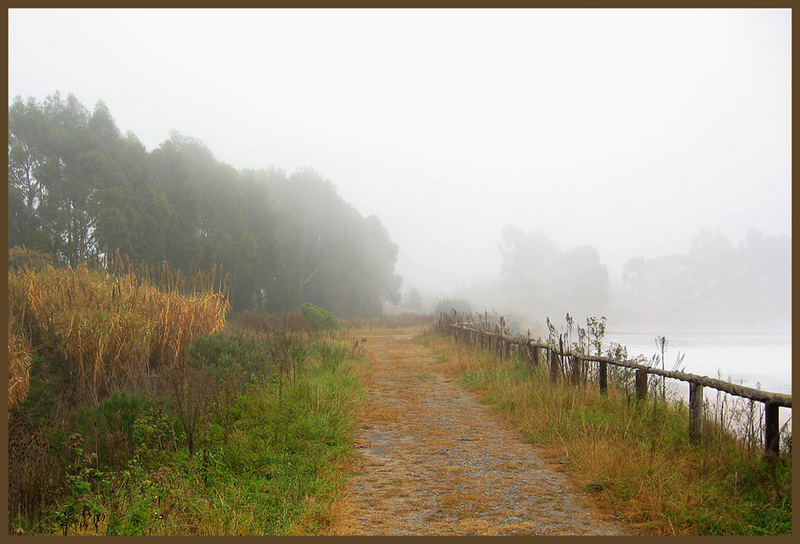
[{"x": 434, "y": 461}]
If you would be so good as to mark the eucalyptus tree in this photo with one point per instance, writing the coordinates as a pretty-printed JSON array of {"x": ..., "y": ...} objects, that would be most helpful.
[{"x": 78, "y": 188}]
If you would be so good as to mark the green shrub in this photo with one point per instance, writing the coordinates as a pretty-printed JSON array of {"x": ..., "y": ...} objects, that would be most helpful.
[
  {"x": 232, "y": 357},
  {"x": 320, "y": 319},
  {"x": 109, "y": 426}
]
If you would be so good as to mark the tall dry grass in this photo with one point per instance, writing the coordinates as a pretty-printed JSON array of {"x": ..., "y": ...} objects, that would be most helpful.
[
  {"x": 19, "y": 364},
  {"x": 117, "y": 329}
]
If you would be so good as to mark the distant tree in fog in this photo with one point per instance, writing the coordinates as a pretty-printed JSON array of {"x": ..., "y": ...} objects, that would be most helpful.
[
  {"x": 447, "y": 305},
  {"x": 713, "y": 285},
  {"x": 414, "y": 299},
  {"x": 541, "y": 280}
]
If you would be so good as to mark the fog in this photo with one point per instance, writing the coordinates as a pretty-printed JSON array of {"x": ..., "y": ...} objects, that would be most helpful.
[{"x": 631, "y": 163}]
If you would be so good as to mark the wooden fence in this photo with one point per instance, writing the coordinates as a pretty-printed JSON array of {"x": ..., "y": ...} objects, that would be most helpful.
[{"x": 494, "y": 337}]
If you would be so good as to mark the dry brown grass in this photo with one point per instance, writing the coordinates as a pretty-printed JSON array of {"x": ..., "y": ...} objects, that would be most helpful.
[
  {"x": 19, "y": 364},
  {"x": 22, "y": 257},
  {"x": 117, "y": 329}
]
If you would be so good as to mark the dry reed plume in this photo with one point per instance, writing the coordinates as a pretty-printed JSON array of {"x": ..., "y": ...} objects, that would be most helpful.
[{"x": 116, "y": 328}]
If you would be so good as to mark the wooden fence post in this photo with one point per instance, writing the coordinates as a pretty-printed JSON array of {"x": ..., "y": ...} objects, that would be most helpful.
[
  {"x": 641, "y": 383},
  {"x": 554, "y": 366},
  {"x": 771, "y": 431},
  {"x": 603, "y": 377},
  {"x": 575, "y": 363},
  {"x": 695, "y": 412}
]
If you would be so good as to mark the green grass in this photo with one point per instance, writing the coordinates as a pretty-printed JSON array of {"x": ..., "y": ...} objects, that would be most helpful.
[{"x": 269, "y": 459}]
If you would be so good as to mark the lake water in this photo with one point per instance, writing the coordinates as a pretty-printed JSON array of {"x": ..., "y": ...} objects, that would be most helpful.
[
  {"x": 749, "y": 359},
  {"x": 754, "y": 360}
]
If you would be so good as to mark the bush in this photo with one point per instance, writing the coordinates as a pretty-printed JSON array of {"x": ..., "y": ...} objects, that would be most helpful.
[
  {"x": 232, "y": 357},
  {"x": 320, "y": 319},
  {"x": 109, "y": 426}
]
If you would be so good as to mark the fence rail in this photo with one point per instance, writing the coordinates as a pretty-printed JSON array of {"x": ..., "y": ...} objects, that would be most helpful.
[{"x": 493, "y": 337}]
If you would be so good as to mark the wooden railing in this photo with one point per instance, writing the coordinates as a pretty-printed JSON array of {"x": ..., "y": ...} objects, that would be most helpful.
[{"x": 494, "y": 337}]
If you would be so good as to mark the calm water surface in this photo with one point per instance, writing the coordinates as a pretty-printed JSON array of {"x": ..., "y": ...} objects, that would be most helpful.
[{"x": 753, "y": 360}]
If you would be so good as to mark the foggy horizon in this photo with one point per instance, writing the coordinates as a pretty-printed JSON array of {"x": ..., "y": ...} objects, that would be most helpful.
[{"x": 630, "y": 131}]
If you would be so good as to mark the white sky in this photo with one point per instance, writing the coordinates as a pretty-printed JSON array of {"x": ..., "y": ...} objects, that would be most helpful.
[{"x": 626, "y": 130}]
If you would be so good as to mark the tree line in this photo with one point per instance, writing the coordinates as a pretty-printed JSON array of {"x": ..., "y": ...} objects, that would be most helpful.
[
  {"x": 79, "y": 189},
  {"x": 714, "y": 286}
]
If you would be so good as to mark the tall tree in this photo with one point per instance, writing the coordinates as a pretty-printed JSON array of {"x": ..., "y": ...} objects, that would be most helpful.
[
  {"x": 77, "y": 188},
  {"x": 27, "y": 131}
]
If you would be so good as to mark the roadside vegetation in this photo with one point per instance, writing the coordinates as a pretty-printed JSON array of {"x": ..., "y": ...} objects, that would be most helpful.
[
  {"x": 634, "y": 457},
  {"x": 136, "y": 408}
]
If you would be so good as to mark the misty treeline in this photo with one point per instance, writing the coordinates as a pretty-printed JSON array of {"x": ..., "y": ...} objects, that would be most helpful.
[
  {"x": 560, "y": 279},
  {"x": 714, "y": 287},
  {"x": 78, "y": 189}
]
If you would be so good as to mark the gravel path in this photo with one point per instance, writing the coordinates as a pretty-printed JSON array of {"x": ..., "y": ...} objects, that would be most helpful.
[{"x": 434, "y": 461}]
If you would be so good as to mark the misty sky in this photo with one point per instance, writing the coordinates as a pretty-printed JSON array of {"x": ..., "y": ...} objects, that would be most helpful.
[{"x": 626, "y": 130}]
